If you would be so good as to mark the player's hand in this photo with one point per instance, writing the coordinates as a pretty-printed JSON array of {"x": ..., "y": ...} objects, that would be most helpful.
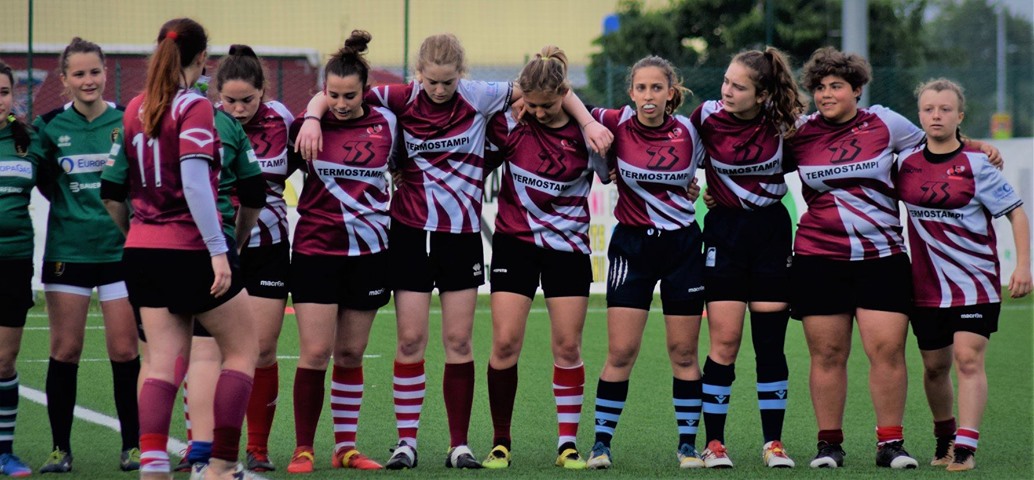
[
  {"x": 221, "y": 269},
  {"x": 613, "y": 174},
  {"x": 709, "y": 200},
  {"x": 599, "y": 137},
  {"x": 1020, "y": 282},
  {"x": 693, "y": 190},
  {"x": 518, "y": 108},
  {"x": 993, "y": 155},
  {"x": 310, "y": 139}
]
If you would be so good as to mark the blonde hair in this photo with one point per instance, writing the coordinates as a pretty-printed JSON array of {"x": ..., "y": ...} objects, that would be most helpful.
[
  {"x": 441, "y": 49},
  {"x": 940, "y": 85},
  {"x": 547, "y": 72}
]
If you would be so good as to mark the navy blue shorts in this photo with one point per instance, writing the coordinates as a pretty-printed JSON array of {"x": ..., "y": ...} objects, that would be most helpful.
[
  {"x": 822, "y": 286},
  {"x": 519, "y": 266},
  {"x": 748, "y": 254},
  {"x": 641, "y": 257},
  {"x": 935, "y": 328}
]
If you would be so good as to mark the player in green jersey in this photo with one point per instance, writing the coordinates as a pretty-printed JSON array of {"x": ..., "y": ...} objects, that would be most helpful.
[
  {"x": 20, "y": 157},
  {"x": 83, "y": 252}
]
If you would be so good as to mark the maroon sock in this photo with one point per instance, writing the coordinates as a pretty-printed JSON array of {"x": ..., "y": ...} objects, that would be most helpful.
[
  {"x": 833, "y": 437},
  {"x": 229, "y": 405},
  {"x": 458, "y": 388},
  {"x": 158, "y": 397},
  {"x": 308, "y": 402},
  {"x": 262, "y": 406},
  {"x": 944, "y": 428},
  {"x": 502, "y": 390}
]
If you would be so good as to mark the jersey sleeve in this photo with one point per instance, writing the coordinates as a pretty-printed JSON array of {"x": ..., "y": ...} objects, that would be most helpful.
[
  {"x": 486, "y": 97},
  {"x": 993, "y": 191},
  {"x": 197, "y": 131},
  {"x": 48, "y": 170},
  {"x": 392, "y": 97},
  {"x": 495, "y": 140},
  {"x": 245, "y": 164},
  {"x": 282, "y": 110},
  {"x": 607, "y": 117},
  {"x": 904, "y": 135}
]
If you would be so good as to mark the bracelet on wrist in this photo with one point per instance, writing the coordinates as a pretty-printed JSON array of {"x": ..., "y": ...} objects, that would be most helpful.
[{"x": 311, "y": 117}]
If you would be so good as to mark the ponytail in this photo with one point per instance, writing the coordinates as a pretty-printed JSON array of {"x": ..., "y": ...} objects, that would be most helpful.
[
  {"x": 179, "y": 42},
  {"x": 547, "y": 72},
  {"x": 770, "y": 72}
]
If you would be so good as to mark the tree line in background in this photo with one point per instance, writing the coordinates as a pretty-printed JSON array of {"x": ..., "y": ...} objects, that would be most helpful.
[{"x": 910, "y": 41}]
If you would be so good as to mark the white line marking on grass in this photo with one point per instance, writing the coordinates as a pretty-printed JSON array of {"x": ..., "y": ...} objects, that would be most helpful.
[
  {"x": 32, "y": 329},
  {"x": 175, "y": 446},
  {"x": 438, "y": 313},
  {"x": 279, "y": 357}
]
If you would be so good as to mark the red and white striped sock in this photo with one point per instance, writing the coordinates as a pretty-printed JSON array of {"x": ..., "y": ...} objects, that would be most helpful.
[
  {"x": 409, "y": 387},
  {"x": 346, "y": 396},
  {"x": 568, "y": 389},
  {"x": 186, "y": 414},
  {"x": 967, "y": 438}
]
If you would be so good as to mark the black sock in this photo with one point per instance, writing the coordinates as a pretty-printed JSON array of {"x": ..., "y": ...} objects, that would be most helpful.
[
  {"x": 610, "y": 401},
  {"x": 62, "y": 379},
  {"x": 8, "y": 403},
  {"x": 685, "y": 395},
  {"x": 124, "y": 376},
  {"x": 768, "y": 333},
  {"x": 717, "y": 389}
]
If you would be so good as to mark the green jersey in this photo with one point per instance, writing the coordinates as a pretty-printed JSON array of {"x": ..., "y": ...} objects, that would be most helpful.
[
  {"x": 239, "y": 162},
  {"x": 18, "y": 172},
  {"x": 79, "y": 228}
]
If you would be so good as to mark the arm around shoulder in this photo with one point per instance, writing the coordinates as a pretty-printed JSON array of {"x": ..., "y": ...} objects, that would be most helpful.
[{"x": 1020, "y": 283}]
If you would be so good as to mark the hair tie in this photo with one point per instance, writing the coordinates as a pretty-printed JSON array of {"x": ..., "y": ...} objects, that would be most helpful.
[
  {"x": 11, "y": 118},
  {"x": 171, "y": 35}
]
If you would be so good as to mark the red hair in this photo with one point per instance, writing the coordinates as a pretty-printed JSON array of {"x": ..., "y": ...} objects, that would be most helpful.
[{"x": 179, "y": 42}]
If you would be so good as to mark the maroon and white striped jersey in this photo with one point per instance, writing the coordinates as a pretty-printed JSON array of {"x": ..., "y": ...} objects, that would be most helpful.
[
  {"x": 443, "y": 174},
  {"x": 655, "y": 166},
  {"x": 547, "y": 175},
  {"x": 267, "y": 132},
  {"x": 847, "y": 183},
  {"x": 744, "y": 162},
  {"x": 161, "y": 218},
  {"x": 343, "y": 208},
  {"x": 951, "y": 200}
]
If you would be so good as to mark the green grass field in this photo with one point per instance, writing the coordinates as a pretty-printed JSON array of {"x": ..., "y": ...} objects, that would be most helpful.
[{"x": 644, "y": 446}]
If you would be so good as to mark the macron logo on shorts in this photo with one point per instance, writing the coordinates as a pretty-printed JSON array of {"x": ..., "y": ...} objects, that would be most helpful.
[
  {"x": 271, "y": 283},
  {"x": 971, "y": 316},
  {"x": 374, "y": 293}
]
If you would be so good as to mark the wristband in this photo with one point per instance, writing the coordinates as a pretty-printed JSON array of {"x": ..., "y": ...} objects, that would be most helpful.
[{"x": 311, "y": 117}]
